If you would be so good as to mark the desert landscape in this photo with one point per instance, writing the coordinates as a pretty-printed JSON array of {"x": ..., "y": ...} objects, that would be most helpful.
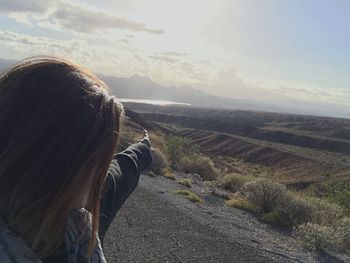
[
  {"x": 296, "y": 150},
  {"x": 274, "y": 184},
  {"x": 246, "y": 105}
]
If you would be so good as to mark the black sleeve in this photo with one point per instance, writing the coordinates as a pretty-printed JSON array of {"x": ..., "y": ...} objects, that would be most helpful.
[{"x": 123, "y": 176}]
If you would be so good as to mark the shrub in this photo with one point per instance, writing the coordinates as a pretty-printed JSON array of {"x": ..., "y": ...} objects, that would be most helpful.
[
  {"x": 127, "y": 137},
  {"x": 167, "y": 173},
  {"x": 334, "y": 191},
  {"x": 320, "y": 237},
  {"x": 241, "y": 203},
  {"x": 273, "y": 218},
  {"x": 178, "y": 147},
  {"x": 157, "y": 141},
  {"x": 185, "y": 182},
  {"x": 264, "y": 194},
  {"x": 234, "y": 182},
  {"x": 159, "y": 161},
  {"x": 201, "y": 165},
  {"x": 293, "y": 210},
  {"x": 325, "y": 213},
  {"x": 343, "y": 226},
  {"x": 190, "y": 196}
]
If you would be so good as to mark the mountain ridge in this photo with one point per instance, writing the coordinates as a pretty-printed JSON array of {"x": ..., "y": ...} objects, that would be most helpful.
[{"x": 141, "y": 87}]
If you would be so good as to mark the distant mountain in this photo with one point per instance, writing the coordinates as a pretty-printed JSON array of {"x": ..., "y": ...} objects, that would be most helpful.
[{"x": 139, "y": 87}]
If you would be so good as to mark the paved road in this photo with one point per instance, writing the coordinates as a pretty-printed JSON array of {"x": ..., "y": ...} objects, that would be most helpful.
[{"x": 155, "y": 225}]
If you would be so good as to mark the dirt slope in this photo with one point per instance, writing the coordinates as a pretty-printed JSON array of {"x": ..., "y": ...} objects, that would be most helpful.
[{"x": 156, "y": 225}]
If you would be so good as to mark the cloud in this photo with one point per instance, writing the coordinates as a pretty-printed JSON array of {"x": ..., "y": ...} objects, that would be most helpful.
[
  {"x": 26, "y": 45},
  {"x": 298, "y": 91},
  {"x": 175, "y": 54},
  {"x": 15, "y": 38},
  {"x": 33, "y": 6},
  {"x": 124, "y": 41},
  {"x": 86, "y": 20},
  {"x": 72, "y": 17},
  {"x": 336, "y": 96},
  {"x": 139, "y": 58},
  {"x": 164, "y": 59}
]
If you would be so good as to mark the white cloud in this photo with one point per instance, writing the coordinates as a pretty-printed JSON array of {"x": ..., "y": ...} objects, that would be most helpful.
[
  {"x": 82, "y": 19},
  {"x": 27, "y": 45},
  {"x": 71, "y": 17},
  {"x": 14, "y": 6},
  {"x": 164, "y": 59}
]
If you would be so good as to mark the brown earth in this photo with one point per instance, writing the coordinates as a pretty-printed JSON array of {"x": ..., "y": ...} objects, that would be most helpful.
[{"x": 295, "y": 149}]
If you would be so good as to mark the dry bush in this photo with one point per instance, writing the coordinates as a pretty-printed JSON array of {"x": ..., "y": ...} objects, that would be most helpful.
[
  {"x": 293, "y": 210},
  {"x": 343, "y": 226},
  {"x": 190, "y": 196},
  {"x": 201, "y": 165},
  {"x": 167, "y": 173},
  {"x": 264, "y": 194},
  {"x": 326, "y": 213},
  {"x": 326, "y": 238},
  {"x": 241, "y": 203},
  {"x": 234, "y": 182},
  {"x": 127, "y": 137},
  {"x": 159, "y": 161},
  {"x": 157, "y": 141}
]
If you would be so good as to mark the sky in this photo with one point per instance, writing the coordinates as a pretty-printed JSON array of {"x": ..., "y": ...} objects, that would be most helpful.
[{"x": 291, "y": 53}]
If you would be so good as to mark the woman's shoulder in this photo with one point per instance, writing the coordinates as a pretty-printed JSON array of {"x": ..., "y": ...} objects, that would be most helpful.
[
  {"x": 13, "y": 249},
  {"x": 78, "y": 235}
]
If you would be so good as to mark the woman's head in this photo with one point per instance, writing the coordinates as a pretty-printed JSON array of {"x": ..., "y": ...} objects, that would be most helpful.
[{"x": 58, "y": 131}]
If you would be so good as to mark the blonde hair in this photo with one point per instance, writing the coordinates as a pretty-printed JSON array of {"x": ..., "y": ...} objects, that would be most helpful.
[{"x": 57, "y": 123}]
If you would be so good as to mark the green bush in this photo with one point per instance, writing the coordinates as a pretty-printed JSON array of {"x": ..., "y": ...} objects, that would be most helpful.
[
  {"x": 264, "y": 194},
  {"x": 178, "y": 147},
  {"x": 273, "y": 218},
  {"x": 334, "y": 191},
  {"x": 201, "y": 165},
  {"x": 185, "y": 182},
  {"x": 190, "y": 196}
]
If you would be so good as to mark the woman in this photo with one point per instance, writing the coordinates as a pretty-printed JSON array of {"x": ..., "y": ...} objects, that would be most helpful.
[{"x": 59, "y": 174}]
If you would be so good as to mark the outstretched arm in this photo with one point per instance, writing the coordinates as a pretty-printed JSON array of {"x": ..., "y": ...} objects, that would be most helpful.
[{"x": 122, "y": 179}]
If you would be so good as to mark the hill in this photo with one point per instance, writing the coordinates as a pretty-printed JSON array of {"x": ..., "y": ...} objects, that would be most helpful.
[{"x": 295, "y": 149}]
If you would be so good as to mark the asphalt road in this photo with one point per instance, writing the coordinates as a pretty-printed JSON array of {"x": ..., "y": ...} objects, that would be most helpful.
[{"x": 156, "y": 225}]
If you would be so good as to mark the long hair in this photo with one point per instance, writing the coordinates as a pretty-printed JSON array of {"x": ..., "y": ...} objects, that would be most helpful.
[{"x": 58, "y": 123}]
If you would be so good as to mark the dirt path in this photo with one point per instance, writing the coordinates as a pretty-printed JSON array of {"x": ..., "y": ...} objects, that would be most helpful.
[{"x": 156, "y": 225}]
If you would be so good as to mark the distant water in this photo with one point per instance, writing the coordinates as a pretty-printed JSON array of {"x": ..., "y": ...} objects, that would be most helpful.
[{"x": 153, "y": 102}]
